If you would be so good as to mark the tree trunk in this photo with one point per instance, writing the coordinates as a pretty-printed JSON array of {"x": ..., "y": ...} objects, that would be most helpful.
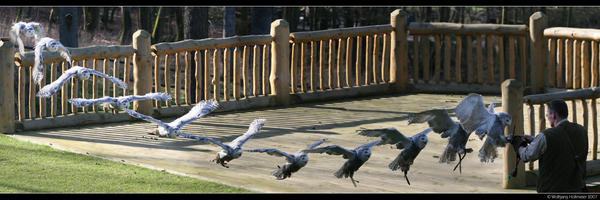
[
  {"x": 503, "y": 15},
  {"x": 178, "y": 13},
  {"x": 291, "y": 14},
  {"x": 125, "y": 37},
  {"x": 69, "y": 26},
  {"x": 569, "y": 16},
  {"x": 427, "y": 17},
  {"x": 261, "y": 20},
  {"x": 91, "y": 19},
  {"x": 229, "y": 22},
  {"x": 19, "y": 11},
  {"x": 112, "y": 14},
  {"x": 104, "y": 18},
  {"x": 444, "y": 14},
  {"x": 144, "y": 18},
  {"x": 156, "y": 30}
]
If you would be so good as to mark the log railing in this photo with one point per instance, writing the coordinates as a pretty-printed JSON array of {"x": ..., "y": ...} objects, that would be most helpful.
[
  {"x": 583, "y": 110},
  {"x": 340, "y": 58},
  {"x": 484, "y": 54},
  {"x": 112, "y": 60},
  {"x": 222, "y": 69},
  {"x": 572, "y": 57}
]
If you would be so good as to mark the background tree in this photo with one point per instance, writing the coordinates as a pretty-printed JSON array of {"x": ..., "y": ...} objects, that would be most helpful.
[
  {"x": 126, "y": 32},
  {"x": 69, "y": 26},
  {"x": 104, "y": 18},
  {"x": 156, "y": 29},
  {"x": 229, "y": 22},
  {"x": 261, "y": 20},
  {"x": 292, "y": 15},
  {"x": 178, "y": 13},
  {"x": 91, "y": 16},
  {"x": 144, "y": 18}
]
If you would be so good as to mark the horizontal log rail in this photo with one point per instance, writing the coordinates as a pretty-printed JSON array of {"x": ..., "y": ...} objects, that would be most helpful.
[
  {"x": 210, "y": 43},
  {"x": 573, "y": 33},
  {"x": 93, "y": 52},
  {"x": 339, "y": 33},
  {"x": 419, "y": 28},
  {"x": 588, "y": 93}
]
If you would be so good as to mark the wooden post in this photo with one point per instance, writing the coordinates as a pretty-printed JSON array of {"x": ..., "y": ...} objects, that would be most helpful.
[
  {"x": 537, "y": 24},
  {"x": 216, "y": 81},
  {"x": 470, "y": 73},
  {"x": 348, "y": 62},
  {"x": 142, "y": 71},
  {"x": 501, "y": 57},
  {"x": 490, "y": 58},
  {"x": 531, "y": 126},
  {"x": 313, "y": 60},
  {"x": 294, "y": 63},
  {"x": 595, "y": 130},
  {"x": 560, "y": 78},
  {"x": 236, "y": 73},
  {"x": 585, "y": 48},
  {"x": 197, "y": 76},
  {"x": 246, "y": 71},
  {"x": 552, "y": 62},
  {"x": 577, "y": 64},
  {"x": 438, "y": 59},
  {"x": 512, "y": 103},
  {"x": 358, "y": 61},
  {"x": 280, "y": 62},
  {"x": 594, "y": 53},
  {"x": 206, "y": 75},
  {"x": 399, "y": 49},
  {"x": 7, "y": 86},
  {"x": 569, "y": 63},
  {"x": 511, "y": 57},
  {"x": 302, "y": 66},
  {"x": 479, "y": 43},
  {"x": 416, "y": 58},
  {"x": 458, "y": 64},
  {"x": 255, "y": 70}
]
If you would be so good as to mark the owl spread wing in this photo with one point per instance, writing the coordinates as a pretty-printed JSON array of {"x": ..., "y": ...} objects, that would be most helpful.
[
  {"x": 186, "y": 135},
  {"x": 314, "y": 145},
  {"x": 388, "y": 135},
  {"x": 438, "y": 119},
  {"x": 472, "y": 113},
  {"x": 274, "y": 152},
  {"x": 148, "y": 118},
  {"x": 252, "y": 130},
  {"x": 118, "y": 82},
  {"x": 52, "y": 88},
  {"x": 88, "y": 102},
  {"x": 199, "y": 110},
  {"x": 333, "y": 150}
]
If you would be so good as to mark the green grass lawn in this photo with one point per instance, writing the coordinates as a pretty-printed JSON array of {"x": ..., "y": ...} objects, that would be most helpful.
[{"x": 28, "y": 167}]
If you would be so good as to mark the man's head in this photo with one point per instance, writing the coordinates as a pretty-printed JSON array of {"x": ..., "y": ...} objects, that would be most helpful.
[{"x": 557, "y": 111}]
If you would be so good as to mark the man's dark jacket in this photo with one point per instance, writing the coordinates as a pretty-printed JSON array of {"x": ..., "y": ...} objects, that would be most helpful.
[{"x": 558, "y": 169}]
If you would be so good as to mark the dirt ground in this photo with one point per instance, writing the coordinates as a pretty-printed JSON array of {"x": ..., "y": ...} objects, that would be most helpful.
[{"x": 290, "y": 129}]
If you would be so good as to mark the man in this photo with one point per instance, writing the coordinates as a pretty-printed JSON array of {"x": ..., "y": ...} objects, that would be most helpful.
[{"x": 561, "y": 169}]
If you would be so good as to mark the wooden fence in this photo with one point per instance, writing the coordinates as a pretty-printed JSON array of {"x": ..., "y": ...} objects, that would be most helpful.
[
  {"x": 468, "y": 66},
  {"x": 572, "y": 57},
  {"x": 279, "y": 68}
]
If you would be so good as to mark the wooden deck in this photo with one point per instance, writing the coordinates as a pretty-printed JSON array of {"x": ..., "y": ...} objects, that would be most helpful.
[{"x": 290, "y": 129}]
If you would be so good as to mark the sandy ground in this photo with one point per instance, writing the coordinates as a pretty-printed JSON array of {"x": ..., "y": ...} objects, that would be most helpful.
[{"x": 290, "y": 129}]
